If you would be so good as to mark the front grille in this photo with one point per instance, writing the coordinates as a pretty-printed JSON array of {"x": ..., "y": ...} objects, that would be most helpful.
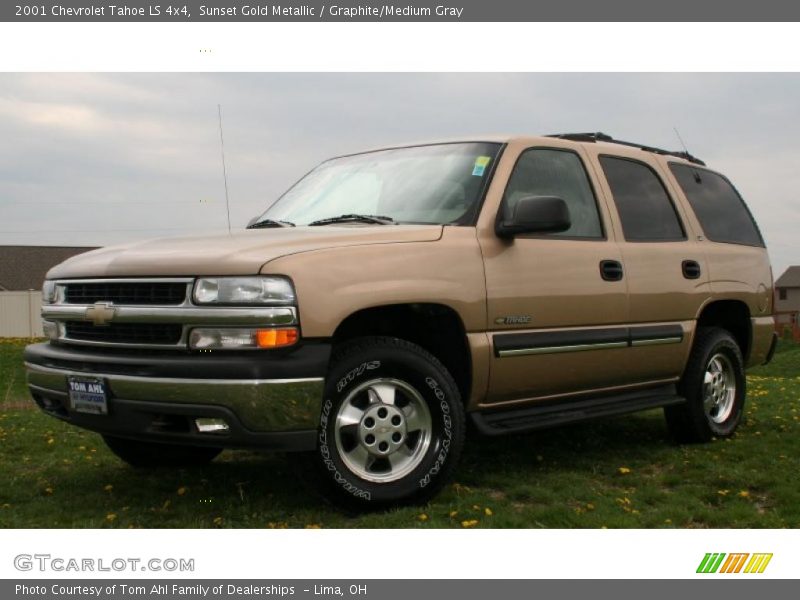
[
  {"x": 145, "y": 292},
  {"x": 125, "y": 333}
]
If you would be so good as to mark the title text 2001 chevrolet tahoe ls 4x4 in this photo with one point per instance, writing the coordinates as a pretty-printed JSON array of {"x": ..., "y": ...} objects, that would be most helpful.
[{"x": 390, "y": 295}]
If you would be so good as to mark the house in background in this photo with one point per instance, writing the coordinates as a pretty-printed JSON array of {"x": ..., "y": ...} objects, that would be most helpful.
[
  {"x": 787, "y": 297},
  {"x": 24, "y": 267},
  {"x": 22, "y": 271}
]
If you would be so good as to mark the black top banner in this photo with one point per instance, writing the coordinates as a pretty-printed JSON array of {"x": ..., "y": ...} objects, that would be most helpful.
[{"x": 414, "y": 10}]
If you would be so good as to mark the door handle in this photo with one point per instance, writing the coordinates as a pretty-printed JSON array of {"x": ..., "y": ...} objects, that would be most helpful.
[
  {"x": 611, "y": 270},
  {"x": 691, "y": 269}
]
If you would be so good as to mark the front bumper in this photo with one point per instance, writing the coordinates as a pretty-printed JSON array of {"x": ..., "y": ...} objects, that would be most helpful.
[{"x": 269, "y": 400}]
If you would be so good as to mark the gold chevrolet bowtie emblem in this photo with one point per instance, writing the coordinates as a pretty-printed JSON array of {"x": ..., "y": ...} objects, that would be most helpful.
[{"x": 101, "y": 313}]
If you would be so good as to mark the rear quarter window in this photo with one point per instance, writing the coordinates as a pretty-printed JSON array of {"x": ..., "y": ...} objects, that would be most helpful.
[
  {"x": 644, "y": 207},
  {"x": 720, "y": 209}
]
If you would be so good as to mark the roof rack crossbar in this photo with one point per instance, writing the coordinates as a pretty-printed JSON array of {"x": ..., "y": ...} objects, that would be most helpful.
[{"x": 602, "y": 137}]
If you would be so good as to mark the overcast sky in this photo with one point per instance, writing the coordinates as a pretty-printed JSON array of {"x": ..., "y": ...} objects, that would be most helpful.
[{"x": 94, "y": 159}]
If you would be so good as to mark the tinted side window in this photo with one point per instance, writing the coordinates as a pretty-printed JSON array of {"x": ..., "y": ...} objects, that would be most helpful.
[
  {"x": 545, "y": 172},
  {"x": 718, "y": 206},
  {"x": 646, "y": 211}
]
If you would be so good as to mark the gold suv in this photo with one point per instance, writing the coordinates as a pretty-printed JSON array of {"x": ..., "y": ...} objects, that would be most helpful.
[{"x": 391, "y": 295}]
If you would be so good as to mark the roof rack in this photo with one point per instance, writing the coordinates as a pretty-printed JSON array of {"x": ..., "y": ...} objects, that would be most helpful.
[{"x": 602, "y": 137}]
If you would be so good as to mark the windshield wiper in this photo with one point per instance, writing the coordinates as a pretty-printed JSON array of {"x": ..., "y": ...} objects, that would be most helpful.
[
  {"x": 270, "y": 223},
  {"x": 351, "y": 218}
]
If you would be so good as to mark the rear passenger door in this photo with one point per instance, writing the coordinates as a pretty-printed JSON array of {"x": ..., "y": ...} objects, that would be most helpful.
[{"x": 663, "y": 263}]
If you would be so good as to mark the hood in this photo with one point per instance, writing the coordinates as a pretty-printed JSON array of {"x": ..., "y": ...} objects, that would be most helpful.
[{"x": 238, "y": 253}]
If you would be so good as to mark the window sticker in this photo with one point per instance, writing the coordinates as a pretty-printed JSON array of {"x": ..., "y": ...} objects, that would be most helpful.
[{"x": 480, "y": 165}]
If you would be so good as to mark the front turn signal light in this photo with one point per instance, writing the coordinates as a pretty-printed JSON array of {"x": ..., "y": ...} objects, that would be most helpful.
[{"x": 276, "y": 338}]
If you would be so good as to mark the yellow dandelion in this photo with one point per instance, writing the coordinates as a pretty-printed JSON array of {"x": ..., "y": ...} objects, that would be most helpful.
[
  {"x": 218, "y": 520},
  {"x": 488, "y": 511},
  {"x": 48, "y": 491},
  {"x": 108, "y": 488},
  {"x": 111, "y": 517},
  {"x": 723, "y": 492},
  {"x": 422, "y": 517},
  {"x": 589, "y": 506},
  {"x": 51, "y": 441},
  {"x": 744, "y": 494},
  {"x": 623, "y": 470},
  {"x": 453, "y": 513},
  {"x": 469, "y": 523}
]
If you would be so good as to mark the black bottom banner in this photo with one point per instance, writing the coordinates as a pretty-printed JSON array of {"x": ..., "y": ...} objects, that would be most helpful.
[{"x": 388, "y": 589}]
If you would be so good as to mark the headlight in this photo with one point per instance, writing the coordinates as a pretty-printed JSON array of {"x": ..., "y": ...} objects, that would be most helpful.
[
  {"x": 49, "y": 292},
  {"x": 244, "y": 290}
]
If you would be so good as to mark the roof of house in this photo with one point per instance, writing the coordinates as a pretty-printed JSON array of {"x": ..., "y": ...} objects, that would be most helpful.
[
  {"x": 24, "y": 267},
  {"x": 790, "y": 278}
]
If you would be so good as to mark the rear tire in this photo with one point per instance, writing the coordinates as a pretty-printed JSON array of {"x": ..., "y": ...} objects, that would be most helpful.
[
  {"x": 714, "y": 386},
  {"x": 153, "y": 454},
  {"x": 392, "y": 425}
]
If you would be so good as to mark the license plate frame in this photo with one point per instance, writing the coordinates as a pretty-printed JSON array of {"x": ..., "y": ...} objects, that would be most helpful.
[{"x": 88, "y": 395}]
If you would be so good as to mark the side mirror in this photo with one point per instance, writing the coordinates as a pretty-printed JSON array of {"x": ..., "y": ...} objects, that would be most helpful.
[{"x": 535, "y": 214}]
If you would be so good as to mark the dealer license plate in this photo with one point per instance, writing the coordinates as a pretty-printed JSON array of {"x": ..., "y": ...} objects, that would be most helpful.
[{"x": 88, "y": 395}]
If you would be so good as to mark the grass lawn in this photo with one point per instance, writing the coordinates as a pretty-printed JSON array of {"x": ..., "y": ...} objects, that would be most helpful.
[{"x": 622, "y": 472}]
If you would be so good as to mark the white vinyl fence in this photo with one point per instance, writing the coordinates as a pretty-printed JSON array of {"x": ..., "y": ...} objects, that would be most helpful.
[{"x": 19, "y": 314}]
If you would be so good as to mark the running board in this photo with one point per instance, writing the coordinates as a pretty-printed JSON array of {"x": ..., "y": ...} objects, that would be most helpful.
[{"x": 553, "y": 414}]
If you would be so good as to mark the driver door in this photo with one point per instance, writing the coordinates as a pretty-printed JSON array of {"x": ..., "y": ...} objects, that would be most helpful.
[{"x": 557, "y": 306}]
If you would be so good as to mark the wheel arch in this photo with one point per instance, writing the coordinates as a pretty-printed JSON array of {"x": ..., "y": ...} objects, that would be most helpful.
[
  {"x": 734, "y": 317},
  {"x": 438, "y": 328}
]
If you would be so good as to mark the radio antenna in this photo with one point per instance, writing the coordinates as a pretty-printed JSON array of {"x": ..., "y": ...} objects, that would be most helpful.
[
  {"x": 224, "y": 169},
  {"x": 680, "y": 139},
  {"x": 695, "y": 172}
]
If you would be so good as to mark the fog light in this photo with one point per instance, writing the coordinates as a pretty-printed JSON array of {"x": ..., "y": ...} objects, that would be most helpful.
[
  {"x": 211, "y": 425},
  {"x": 218, "y": 338}
]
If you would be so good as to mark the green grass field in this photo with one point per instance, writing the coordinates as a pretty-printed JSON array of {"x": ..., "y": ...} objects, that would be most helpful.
[{"x": 622, "y": 472}]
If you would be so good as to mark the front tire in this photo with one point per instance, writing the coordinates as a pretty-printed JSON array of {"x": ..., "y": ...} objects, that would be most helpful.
[
  {"x": 153, "y": 454},
  {"x": 392, "y": 425},
  {"x": 714, "y": 386}
]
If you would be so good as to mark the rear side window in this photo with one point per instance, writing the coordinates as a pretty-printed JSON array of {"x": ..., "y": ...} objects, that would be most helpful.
[
  {"x": 644, "y": 207},
  {"x": 546, "y": 172},
  {"x": 719, "y": 207}
]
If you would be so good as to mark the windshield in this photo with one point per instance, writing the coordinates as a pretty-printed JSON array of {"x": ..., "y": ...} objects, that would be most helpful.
[{"x": 436, "y": 184}]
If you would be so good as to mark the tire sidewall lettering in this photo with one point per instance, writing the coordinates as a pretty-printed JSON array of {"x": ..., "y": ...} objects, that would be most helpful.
[
  {"x": 447, "y": 433},
  {"x": 353, "y": 373},
  {"x": 325, "y": 453}
]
